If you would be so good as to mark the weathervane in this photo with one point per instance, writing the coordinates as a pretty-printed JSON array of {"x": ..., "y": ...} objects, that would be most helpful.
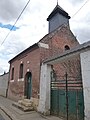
[{"x": 57, "y": 2}]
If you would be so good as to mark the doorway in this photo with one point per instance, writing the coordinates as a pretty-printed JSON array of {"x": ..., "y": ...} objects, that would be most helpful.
[{"x": 28, "y": 85}]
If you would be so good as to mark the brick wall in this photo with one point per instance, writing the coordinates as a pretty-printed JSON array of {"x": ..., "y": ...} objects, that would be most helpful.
[
  {"x": 57, "y": 42},
  {"x": 31, "y": 62}
]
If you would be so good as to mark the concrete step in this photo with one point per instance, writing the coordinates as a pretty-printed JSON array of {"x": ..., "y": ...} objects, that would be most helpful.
[
  {"x": 25, "y": 102},
  {"x": 22, "y": 107}
]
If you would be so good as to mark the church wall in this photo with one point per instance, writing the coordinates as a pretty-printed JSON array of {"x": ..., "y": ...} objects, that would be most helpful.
[{"x": 31, "y": 63}]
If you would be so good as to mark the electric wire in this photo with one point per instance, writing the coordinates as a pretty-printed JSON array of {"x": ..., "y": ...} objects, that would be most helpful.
[
  {"x": 80, "y": 9},
  {"x": 15, "y": 22},
  {"x": 23, "y": 11}
]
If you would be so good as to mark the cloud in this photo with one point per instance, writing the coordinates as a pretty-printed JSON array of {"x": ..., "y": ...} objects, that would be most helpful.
[
  {"x": 13, "y": 44},
  {"x": 1, "y": 70},
  {"x": 10, "y": 48},
  {"x": 4, "y": 66},
  {"x": 76, "y": 2},
  {"x": 10, "y": 9},
  {"x": 82, "y": 37}
]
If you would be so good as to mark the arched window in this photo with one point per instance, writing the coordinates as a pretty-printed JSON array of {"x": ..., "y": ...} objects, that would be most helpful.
[
  {"x": 21, "y": 71},
  {"x": 67, "y": 47},
  {"x": 12, "y": 75}
]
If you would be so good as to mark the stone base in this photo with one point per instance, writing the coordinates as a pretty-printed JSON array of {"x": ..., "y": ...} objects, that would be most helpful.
[
  {"x": 41, "y": 109},
  {"x": 35, "y": 103},
  {"x": 27, "y": 104},
  {"x": 22, "y": 107}
]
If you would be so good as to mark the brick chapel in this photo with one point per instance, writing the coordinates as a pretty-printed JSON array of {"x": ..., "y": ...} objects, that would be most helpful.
[{"x": 25, "y": 67}]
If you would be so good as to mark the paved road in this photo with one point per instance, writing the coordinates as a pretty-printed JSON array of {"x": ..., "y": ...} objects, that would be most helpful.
[
  {"x": 17, "y": 114},
  {"x": 1, "y": 118}
]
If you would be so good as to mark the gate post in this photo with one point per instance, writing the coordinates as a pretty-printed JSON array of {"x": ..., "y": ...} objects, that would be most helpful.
[
  {"x": 45, "y": 81},
  {"x": 66, "y": 95}
]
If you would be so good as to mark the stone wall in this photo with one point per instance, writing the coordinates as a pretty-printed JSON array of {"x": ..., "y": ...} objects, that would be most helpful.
[{"x": 4, "y": 84}]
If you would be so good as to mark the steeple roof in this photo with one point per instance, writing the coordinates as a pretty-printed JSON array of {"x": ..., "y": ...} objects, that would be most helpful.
[{"x": 59, "y": 10}]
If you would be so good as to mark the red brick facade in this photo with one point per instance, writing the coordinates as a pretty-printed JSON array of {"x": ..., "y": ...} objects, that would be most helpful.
[
  {"x": 31, "y": 63},
  {"x": 33, "y": 57},
  {"x": 57, "y": 42}
]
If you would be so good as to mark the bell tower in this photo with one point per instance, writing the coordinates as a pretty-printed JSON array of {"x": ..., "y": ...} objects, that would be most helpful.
[{"x": 57, "y": 18}]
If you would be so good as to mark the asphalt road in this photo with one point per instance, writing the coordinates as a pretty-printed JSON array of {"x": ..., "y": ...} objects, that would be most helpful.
[{"x": 1, "y": 118}]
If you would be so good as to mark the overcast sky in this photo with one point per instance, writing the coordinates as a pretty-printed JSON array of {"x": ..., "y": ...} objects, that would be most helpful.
[{"x": 32, "y": 25}]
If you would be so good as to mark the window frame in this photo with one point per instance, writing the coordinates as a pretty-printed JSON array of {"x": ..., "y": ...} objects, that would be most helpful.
[
  {"x": 12, "y": 74},
  {"x": 21, "y": 71}
]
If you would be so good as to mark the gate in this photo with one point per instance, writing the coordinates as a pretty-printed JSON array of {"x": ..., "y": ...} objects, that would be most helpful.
[{"x": 67, "y": 98}]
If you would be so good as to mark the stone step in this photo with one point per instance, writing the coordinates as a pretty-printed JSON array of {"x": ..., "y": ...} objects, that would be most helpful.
[
  {"x": 25, "y": 102},
  {"x": 22, "y": 107}
]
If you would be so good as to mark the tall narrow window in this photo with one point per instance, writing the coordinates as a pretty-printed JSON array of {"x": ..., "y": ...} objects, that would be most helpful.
[
  {"x": 21, "y": 71},
  {"x": 12, "y": 75}
]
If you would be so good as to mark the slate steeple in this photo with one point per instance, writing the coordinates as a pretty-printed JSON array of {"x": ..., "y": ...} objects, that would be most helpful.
[{"x": 57, "y": 17}]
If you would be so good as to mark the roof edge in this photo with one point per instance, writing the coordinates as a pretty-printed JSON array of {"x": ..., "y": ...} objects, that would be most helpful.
[
  {"x": 59, "y": 10},
  {"x": 32, "y": 46},
  {"x": 79, "y": 48}
]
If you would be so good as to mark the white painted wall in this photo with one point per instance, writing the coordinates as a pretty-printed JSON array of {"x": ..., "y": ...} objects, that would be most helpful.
[
  {"x": 44, "y": 101},
  {"x": 85, "y": 64},
  {"x": 3, "y": 84}
]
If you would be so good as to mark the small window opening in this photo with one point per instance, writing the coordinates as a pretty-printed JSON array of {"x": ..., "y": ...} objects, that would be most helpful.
[{"x": 67, "y": 47}]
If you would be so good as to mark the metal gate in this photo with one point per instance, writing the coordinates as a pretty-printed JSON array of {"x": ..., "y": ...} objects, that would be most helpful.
[{"x": 67, "y": 98}]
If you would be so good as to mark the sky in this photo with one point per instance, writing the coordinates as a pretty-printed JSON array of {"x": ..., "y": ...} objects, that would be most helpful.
[{"x": 32, "y": 25}]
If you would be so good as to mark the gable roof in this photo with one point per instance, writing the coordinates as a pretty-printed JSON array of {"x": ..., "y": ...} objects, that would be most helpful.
[
  {"x": 36, "y": 45},
  {"x": 59, "y": 10},
  {"x": 31, "y": 48},
  {"x": 53, "y": 33}
]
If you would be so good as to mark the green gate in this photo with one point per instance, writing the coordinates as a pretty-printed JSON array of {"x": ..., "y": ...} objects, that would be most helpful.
[{"x": 69, "y": 102}]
